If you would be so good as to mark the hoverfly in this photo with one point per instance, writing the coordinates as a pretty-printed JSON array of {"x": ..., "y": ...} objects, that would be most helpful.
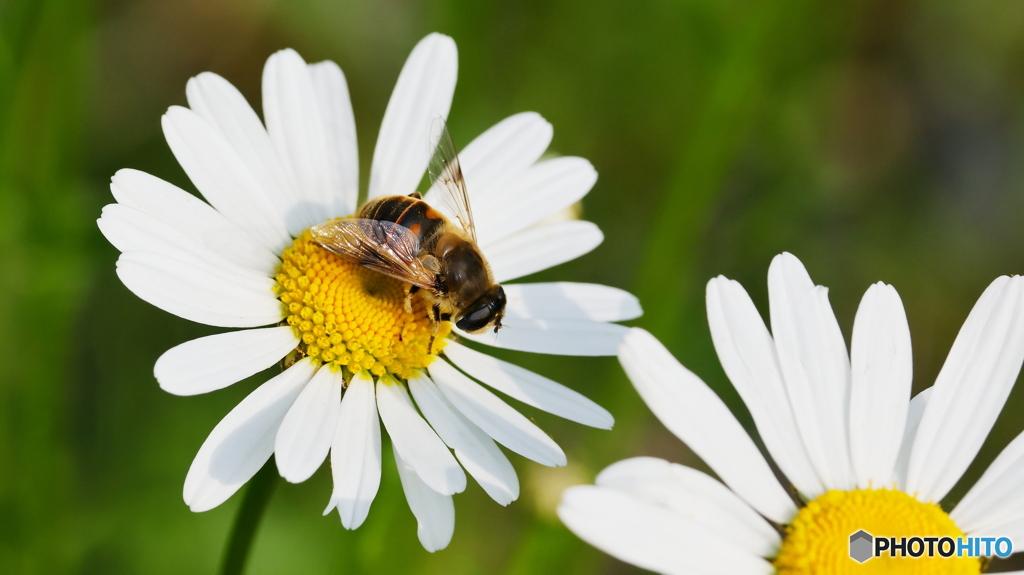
[{"x": 405, "y": 238}]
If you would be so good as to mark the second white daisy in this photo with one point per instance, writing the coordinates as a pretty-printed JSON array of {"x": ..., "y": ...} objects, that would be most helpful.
[{"x": 841, "y": 428}]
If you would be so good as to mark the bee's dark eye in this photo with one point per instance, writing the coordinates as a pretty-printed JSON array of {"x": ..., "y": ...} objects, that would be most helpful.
[
  {"x": 484, "y": 311},
  {"x": 478, "y": 318}
]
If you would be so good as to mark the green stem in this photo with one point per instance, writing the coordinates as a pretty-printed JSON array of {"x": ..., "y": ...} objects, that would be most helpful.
[{"x": 261, "y": 487}]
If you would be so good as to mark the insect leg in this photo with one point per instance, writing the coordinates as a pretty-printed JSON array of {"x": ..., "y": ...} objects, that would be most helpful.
[
  {"x": 409, "y": 290},
  {"x": 436, "y": 320},
  {"x": 433, "y": 334}
]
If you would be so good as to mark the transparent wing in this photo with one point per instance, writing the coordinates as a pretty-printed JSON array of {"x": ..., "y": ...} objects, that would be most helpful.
[
  {"x": 383, "y": 247},
  {"x": 447, "y": 183}
]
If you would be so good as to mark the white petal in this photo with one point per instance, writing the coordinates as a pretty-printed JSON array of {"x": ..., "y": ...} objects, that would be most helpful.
[
  {"x": 420, "y": 447},
  {"x": 355, "y": 453},
  {"x": 198, "y": 294},
  {"x": 997, "y": 499},
  {"x": 500, "y": 156},
  {"x": 914, "y": 413},
  {"x": 477, "y": 452},
  {"x": 243, "y": 441},
  {"x": 422, "y": 96},
  {"x": 695, "y": 496},
  {"x": 192, "y": 217},
  {"x": 299, "y": 133},
  {"x": 554, "y": 336},
  {"x": 435, "y": 513},
  {"x": 129, "y": 229},
  {"x": 528, "y": 387},
  {"x": 651, "y": 537},
  {"x": 541, "y": 247},
  {"x": 970, "y": 390},
  {"x": 882, "y": 366},
  {"x": 309, "y": 427},
  {"x": 225, "y": 109},
  {"x": 568, "y": 300},
  {"x": 815, "y": 367},
  {"x": 506, "y": 425},
  {"x": 691, "y": 411},
  {"x": 747, "y": 353},
  {"x": 217, "y": 361},
  {"x": 223, "y": 178},
  {"x": 340, "y": 125},
  {"x": 545, "y": 189}
]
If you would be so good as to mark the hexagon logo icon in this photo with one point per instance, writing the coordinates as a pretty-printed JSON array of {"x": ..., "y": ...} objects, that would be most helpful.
[{"x": 861, "y": 543}]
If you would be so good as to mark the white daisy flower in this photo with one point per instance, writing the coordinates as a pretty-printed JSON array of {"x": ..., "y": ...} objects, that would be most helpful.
[
  {"x": 245, "y": 260},
  {"x": 842, "y": 429}
]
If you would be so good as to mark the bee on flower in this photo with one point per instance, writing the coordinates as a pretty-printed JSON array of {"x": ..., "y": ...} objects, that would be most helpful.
[{"x": 363, "y": 308}]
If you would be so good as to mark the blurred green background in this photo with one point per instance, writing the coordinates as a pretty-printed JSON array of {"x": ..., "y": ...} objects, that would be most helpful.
[{"x": 875, "y": 139}]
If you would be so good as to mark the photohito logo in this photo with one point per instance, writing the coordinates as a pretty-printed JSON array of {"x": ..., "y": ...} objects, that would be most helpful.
[
  {"x": 864, "y": 546},
  {"x": 861, "y": 548}
]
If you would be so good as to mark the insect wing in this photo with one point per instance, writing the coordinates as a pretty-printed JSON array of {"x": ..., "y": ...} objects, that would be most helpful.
[
  {"x": 383, "y": 247},
  {"x": 449, "y": 187}
]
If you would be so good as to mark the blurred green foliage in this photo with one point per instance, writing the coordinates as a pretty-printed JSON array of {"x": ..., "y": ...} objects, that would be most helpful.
[{"x": 875, "y": 139}]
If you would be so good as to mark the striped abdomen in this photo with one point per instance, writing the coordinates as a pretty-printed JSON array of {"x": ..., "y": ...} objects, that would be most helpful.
[{"x": 411, "y": 213}]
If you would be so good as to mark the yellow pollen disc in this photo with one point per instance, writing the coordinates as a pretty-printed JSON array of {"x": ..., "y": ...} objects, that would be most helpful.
[
  {"x": 818, "y": 540},
  {"x": 349, "y": 316}
]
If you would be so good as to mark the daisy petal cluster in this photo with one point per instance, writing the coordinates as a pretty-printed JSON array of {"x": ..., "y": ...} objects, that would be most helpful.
[
  {"x": 859, "y": 453},
  {"x": 354, "y": 355}
]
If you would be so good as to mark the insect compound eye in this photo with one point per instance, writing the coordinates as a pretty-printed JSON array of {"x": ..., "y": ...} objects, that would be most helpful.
[
  {"x": 486, "y": 310},
  {"x": 478, "y": 318},
  {"x": 499, "y": 298}
]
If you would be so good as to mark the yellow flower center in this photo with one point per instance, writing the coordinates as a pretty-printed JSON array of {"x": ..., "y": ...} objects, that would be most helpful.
[
  {"x": 818, "y": 540},
  {"x": 350, "y": 317}
]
